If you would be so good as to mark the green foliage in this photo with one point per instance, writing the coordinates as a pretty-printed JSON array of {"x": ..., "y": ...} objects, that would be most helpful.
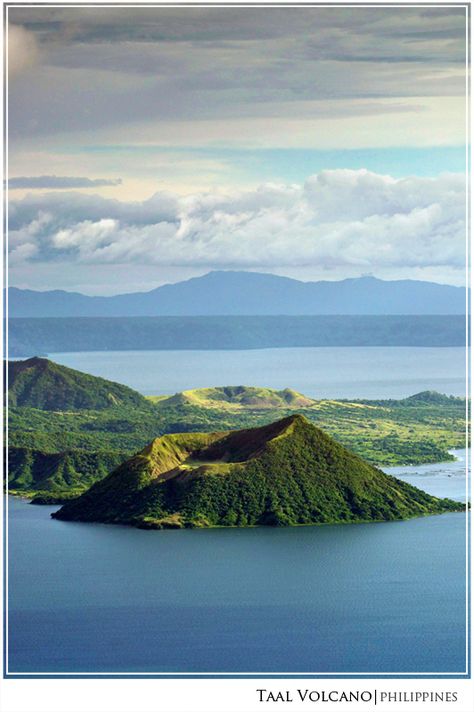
[
  {"x": 71, "y": 471},
  {"x": 285, "y": 473},
  {"x": 390, "y": 434}
]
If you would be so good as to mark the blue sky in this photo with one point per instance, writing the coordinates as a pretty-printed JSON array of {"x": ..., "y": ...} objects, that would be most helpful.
[
  {"x": 147, "y": 145},
  {"x": 296, "y": 164}
]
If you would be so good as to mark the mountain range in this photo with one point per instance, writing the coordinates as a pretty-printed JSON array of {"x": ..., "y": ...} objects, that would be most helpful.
[{"x": 223, "y": 293}]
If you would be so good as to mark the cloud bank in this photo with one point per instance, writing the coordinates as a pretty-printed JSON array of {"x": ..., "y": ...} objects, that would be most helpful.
[
  {"x": 138, "y": 92},
  {"x": 41, "y": 182},
  {"x": 336, "y": 219},
  {"x": 113, "y": 67}
]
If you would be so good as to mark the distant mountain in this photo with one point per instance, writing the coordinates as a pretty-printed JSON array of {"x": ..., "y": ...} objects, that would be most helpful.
[
  {"x": 249, "y": 293},
  {"x": 239, "y": 398},
  {"x": 40, "y": 383},
  {"x": 285, "y": 473}
]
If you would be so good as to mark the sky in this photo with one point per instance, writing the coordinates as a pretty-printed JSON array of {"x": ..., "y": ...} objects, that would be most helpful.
[{"x": 150, "y": 145}]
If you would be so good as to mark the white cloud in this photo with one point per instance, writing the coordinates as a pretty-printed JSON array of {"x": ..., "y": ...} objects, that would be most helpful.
[
  {"x": 85, "y": 234},
  {"x": 25, "y": 251},
  {"x": 337, "y": 219}
]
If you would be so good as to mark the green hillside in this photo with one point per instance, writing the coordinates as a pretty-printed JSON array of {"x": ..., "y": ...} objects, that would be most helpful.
[
  {"x": 286, "y": 473},
  {"x": 58, "y": 475},
  {"x": 431, "y": 398},
  {"x": 238, "y": 397},
  {"x": 40, "y": 383}
]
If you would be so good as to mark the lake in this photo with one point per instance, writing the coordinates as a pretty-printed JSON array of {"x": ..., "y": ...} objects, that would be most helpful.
[
  {"x": 319, "y": 372},
  {"x": 366, "y": 598},
  {"x": 362, "y": 598}
]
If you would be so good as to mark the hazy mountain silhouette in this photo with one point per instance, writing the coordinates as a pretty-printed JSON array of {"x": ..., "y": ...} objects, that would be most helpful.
[{"x": 249, "y": 293}]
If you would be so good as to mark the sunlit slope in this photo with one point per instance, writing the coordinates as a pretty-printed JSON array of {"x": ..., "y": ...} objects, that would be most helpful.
[{"x": 237, "y": 397}]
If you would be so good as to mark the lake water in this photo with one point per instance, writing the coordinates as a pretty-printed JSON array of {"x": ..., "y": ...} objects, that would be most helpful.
[
  {"x": 329, "y": 372},
  {"x": 386, "y": 597}
]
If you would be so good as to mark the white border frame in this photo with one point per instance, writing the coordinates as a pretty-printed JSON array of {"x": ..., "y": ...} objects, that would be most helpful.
[{"x": 260, "y": 675}]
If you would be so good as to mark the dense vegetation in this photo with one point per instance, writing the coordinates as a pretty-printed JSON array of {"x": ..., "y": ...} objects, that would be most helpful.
[
  {"x": 40, "y": 383},
  {"x": 285, "y": 473},
  {"x": 385, "y": 434},
  {"x": 48, "y": 335},
  {"x": 57, "y": 476},
  {"x": 64, "y": 450}
]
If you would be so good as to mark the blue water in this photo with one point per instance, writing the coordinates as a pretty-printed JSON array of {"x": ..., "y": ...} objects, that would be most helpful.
[
  {"x": 329, "y": 372},
  {"x": 385, "y": 597},
  {"x": 443, "y": 479}
]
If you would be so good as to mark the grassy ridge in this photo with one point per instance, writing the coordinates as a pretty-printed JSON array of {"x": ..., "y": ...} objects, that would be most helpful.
[{"x": 236, "y": 397}]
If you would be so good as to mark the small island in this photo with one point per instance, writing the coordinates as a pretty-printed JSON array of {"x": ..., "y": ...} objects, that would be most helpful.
[{"x": 286, "y": 473}]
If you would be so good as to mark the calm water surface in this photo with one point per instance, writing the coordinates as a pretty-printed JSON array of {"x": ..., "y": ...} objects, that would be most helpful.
[
  {"x": 387, "y": 597},
  {"x": 330, "y": 372}
]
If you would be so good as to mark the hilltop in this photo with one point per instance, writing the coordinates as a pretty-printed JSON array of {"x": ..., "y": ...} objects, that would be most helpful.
[
  {"x": 40, "y": 383},
  {"x": 286, "y": 473},
  {"x": 249, "y": 293},
  {"x": 238, "y": 397},
  {"x": 430, "y": 397}
]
